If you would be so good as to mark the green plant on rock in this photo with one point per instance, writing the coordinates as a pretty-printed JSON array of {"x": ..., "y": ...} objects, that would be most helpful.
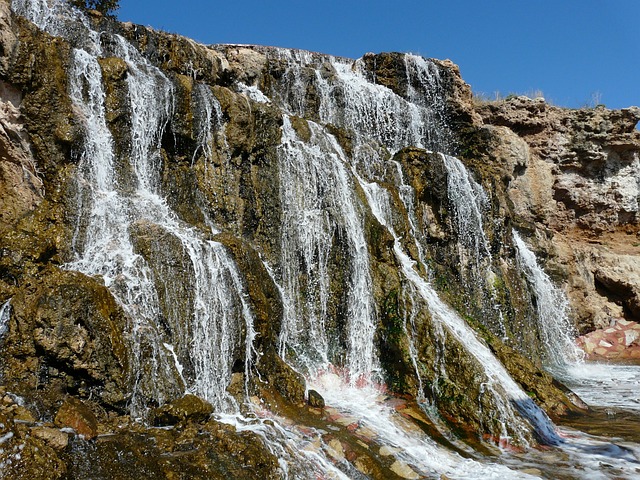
[{"x": 102, "y": 6}]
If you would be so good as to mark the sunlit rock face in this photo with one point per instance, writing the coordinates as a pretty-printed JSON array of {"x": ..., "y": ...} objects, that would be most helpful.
[
  {"x": 187, "y": 229},
  {"x": 579, "y": 183}
]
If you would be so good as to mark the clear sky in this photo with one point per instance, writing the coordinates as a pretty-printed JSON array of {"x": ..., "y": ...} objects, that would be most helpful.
[{"x": 576, "y": 52}]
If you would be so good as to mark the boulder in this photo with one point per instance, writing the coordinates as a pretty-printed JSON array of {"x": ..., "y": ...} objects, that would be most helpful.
[
  {"x": 51, "y": 436},
  {"x": 76, "y": 415},
  {"x": 315, "y": 399},
  {"x": 189, "y": 408}
]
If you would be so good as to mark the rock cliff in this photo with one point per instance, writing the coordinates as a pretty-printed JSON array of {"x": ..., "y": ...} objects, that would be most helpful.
[{"x": 235, "y": 222}]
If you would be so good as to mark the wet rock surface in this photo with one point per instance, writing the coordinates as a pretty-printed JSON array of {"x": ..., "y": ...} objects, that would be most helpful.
[{"x": 568, "y": 179}]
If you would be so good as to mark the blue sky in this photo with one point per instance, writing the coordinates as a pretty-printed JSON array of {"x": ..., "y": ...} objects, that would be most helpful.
[{"x": 576, "y": 52}]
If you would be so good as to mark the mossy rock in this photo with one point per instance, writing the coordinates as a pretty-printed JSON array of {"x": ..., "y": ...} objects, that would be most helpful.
[
  {"x": 67, "y": 332},
  {"x": 212, "y": 451},
  {"x": 556, "y": 399},
  {"x": 189, "y": 408}
]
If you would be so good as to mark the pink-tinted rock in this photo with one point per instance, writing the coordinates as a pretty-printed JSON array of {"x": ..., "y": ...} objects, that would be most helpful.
[{"x": 75, "y": 414}]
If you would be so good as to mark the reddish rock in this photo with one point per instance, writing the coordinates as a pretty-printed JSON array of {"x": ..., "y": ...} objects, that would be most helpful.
[
  {"x": 619, "y": 341},
  {"x": 75, "y": 414}
]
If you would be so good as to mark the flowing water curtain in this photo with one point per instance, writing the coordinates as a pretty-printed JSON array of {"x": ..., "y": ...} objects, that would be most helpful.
[
  {"x": 380, "y": 122},
  {"x": 554, "y": 325},
  {"x": 425, "y": 87},
  {"x": 363, "y": 116},
  {"x": 118, "y": 205},
  {"x": 324, "y": 252},
  {"x": 207, "y": 120},
  {"x": 5, "y": 314},
  {"x": 512, "y": 410}
]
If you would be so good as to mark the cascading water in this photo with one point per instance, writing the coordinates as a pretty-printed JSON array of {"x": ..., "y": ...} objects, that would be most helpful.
[
  {"x": 113, "y": 203},
  {"x": 500, "y": 385},
  {"x": 321, "y": 219},
  {"x": 381, "y": 120},
  {"x": 375, "y": 112},
  {"x": 189, "y": 322},
  {"x": 207, "y": 120},
  {"x": 605, "y": 385},
  {"x": 468, "y": 202},
  {"x": 557, "y": 332},
  {"x": 424, "y": 88}
]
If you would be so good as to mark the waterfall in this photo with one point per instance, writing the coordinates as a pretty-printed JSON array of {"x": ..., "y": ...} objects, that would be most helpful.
[
  {"x": 552, "y": 308},
  {"x": 424, "y": 88},
  {"x": 322, "y": 219},
  {"x": 190, "y": 324},
  {"x": 468, "y": 201},
  {"x": 381, "y": 120},
  {"x": 499, "y": 383},
  {"x": 119, "y": 196},
  {"x": 207, "y": 120},
  {"x": 378, "y": 119}
]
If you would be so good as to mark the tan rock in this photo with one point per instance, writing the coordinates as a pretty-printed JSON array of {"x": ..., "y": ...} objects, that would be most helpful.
[
  {"x": 589, "y": 346},
  {"x": 532, "y": 471},
  {"x": 20, "y": 184},
  {"x": 51, "y": 436},
  {"x": 403, "y": 470},
  {"x": 366, "y": 433},
  {"x": 363, "y": 465},
  {"x": 246, "y": 62},
  {"x": 335, "y": 449},
  {"x": 386, "y": 451}
]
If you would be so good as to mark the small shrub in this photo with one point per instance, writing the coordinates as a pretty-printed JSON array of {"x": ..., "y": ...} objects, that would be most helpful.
[{"x": 102, "y": 6}]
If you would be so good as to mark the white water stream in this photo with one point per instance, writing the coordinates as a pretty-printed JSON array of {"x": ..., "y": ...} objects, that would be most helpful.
[
  {"x": 320, "y": 210},
  {"x": 113, "y": 202},
  {"x": 5, "y": 313},
  {"x": 552, "y": 308},
  {"x": 598, "y": 384}
]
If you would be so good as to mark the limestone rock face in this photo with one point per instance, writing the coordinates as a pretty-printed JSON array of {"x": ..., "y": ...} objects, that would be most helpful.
[
  {"x": 576, "y": 178},
  {"x": 584, "y": 162},
  {"x": 22, "y": 189}
]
